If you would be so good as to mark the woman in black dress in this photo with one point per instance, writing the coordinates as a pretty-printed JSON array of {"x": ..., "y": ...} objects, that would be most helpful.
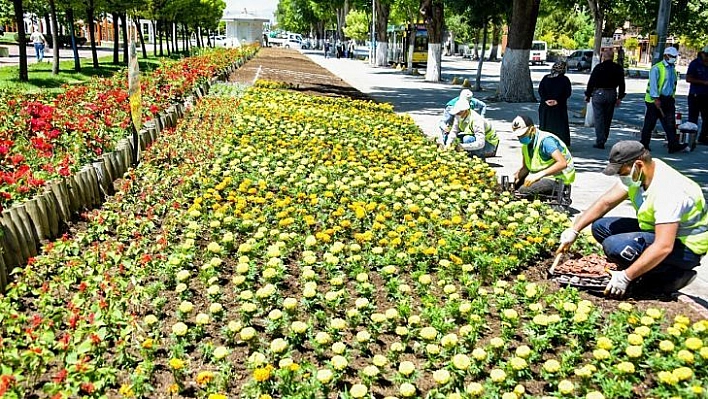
[{"x": 555, "y": 89}]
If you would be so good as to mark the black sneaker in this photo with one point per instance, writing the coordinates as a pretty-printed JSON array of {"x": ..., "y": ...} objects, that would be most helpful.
[
  {"x": 600, "y": 146},
  {"x": 679, "y": 148}
]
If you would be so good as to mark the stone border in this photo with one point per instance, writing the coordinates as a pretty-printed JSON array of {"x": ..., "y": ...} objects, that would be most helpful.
[{"x": 43, "y": 217}]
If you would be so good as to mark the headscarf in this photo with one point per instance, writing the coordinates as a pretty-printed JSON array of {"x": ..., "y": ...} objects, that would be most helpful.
[{"x": 558, "y": 69}]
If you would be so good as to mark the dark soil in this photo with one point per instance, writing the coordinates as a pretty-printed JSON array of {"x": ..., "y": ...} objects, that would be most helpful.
[{"x": 292, "y": 67}]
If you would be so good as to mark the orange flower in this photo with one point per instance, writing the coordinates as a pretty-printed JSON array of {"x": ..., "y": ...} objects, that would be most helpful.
[{"x": 204, "y": 377}]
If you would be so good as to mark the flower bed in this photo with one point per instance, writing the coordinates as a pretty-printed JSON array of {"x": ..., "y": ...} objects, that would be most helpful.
[
  {"x": 45, "y": 137},
  {"x": 314, "y": 248}
]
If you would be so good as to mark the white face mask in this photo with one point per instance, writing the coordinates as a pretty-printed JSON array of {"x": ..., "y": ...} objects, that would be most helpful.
[
  {"x": 671, "y": 60},
  {"x": 628, "y": 180}
]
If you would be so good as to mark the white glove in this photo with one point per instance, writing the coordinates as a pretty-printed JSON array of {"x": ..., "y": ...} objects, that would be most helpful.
[
  {"x": 568, "y": 236},
  {"x": 618, "y": 284},
  {"x": 531, "y": 178}
]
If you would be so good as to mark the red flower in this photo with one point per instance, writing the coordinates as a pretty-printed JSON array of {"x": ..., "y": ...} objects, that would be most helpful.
[
  {"x": 17, "y": 158},
  {"x": 87, "y": 388}
]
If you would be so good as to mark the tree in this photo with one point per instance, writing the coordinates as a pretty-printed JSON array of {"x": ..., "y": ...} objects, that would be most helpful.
[
  {"x": 20, "y": 21},
  {"x": 515, "y": 81},
  {"x": 433, "y": 11},
  {"x": 357, "y": 25},
  {"x": 383, "y": 9}
]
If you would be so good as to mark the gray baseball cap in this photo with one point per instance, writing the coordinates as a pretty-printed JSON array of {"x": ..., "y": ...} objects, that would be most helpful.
[{"x": 621, "y": 153}]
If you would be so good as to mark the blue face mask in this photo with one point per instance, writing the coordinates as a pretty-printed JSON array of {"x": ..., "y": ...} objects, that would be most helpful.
[{"x": 525, "y": 140}]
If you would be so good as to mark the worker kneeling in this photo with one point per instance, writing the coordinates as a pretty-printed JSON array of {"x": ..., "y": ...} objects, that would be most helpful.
[
  {"x": 476, "y": 134},
  {"x": 656, "y": 251},
  {"x": 546, "y": 160}
]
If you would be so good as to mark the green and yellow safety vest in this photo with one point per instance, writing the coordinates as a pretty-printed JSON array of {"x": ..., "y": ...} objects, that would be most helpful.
[
  {"x": 662, "y": 77},
  {"x": 693, "y": 226},
  {"x": 534, "y": 163}
]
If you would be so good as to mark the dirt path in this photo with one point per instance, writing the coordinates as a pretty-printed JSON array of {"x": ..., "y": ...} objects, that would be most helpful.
[{"x": 290, "y": 66}]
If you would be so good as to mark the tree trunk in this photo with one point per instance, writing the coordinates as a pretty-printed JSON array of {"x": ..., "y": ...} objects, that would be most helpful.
[
  {"x": 433, "y": 11},
  {"x": 20, "y": 21},
  {"x": 173, "y": 34},
  {"x": 154, "y": 37},
  {"x": 475, "y": 54},
  {"x": 496, "y": 38},
  {"x": 411, "y": 45},
  {"x": 140, "y": 37},
  {"x": 55, "y": 37},
  {"x": 161, "y": 29},
  {"x": 124, "y": 28},
  {"x": 185, "y": 38},
  {"x": 515, "y": 83},
  {"x": 478, "y": 81},
  {"x": 115, "y": 38},
  {"x": 598, "y": 17},
  {"x": 199, "y": 36},
  {"x": 48, "y": 23},
  {"x": 92, "y": 33},
  {"x": 72, "y": 34},
  {"x": 383, "y": 9}
]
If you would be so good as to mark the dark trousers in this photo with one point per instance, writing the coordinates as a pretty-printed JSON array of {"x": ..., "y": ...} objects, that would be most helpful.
[
  {"x": 603, "y": 107},
  {"x": 668, "y": 121},
  {"x": 623, "y": 242},
  {"x": 540, "y": 187},
  {"x": 698, "y": 105}
]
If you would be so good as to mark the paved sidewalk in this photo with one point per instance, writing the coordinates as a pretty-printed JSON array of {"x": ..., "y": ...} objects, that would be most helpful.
[{"x": 424, "y": 102}]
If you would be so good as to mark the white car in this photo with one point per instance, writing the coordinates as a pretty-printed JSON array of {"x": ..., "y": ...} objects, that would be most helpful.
[{"x": 219, "y": 41}]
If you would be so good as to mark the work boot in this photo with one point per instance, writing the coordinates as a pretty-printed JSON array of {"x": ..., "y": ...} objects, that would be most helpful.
[{"x": 663, "y": 283}]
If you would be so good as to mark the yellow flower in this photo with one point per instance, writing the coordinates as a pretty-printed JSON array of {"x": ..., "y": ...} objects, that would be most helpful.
[
  {"x": 461, "y": 361},
  {"x": 173, "y": 389},
  {"x": 685, "y": 356},
  {"x": 523, "y": 351},
  {"x": 358, "y": 391},
  {"x": 518, "y": 363},
  {"x": 278, "y": 345},
  {"x": 633, "y": 351},
  {"x": 604, "y": 343},
  {"x": 625, "y": 306},
  {"x": 428, "y": 333},
  {"x": 510, "y": 314},
  {"x": 594, "y": 395},
  {"x": 339, "y": 362},
  {"x": 406, "y": 368},
  {"x": 475, "y": 389},
  {"x": 126, "y": 390},
  {"x": 635, "y": 339},
  {"x": 407, "y": 390},
  {"x": 668, "y": 378},
  {"x": 497, "y": 375},
  {"x": 205, "y": 377},
  {"x": 666, "y": 346},
  {"x": 261, "y": 374},
  {"x": 449, "y": 340},
  {"x": 642, "y": 331},
  {"x": 654, "y": 313},
  {"x": 150, "y": 320},
  {"x": 176, "y": 364},
  {"x": 509, "y": 395},
  {"x": 479, "y": 354},
  {"x": 179, "y": 329},
  {"x": 625, "y": 367},
  {"x": 298, "y": 327},
  {"x": 693, "y": 343},
  {"x": 496, "y": 342},
  {"x": 441, "y": 376},
  {"x": 601, "y": 354},
  {"x": 551, "y": 366},
  {"x": 683, "y": 373},
  {"x": 566, "y": 387},
  {"x": 217, "y": 396},
  {"x": 380, "y": 360},
  {"x": 324, "y": 376},
  {"x": 147, "y": 344}
]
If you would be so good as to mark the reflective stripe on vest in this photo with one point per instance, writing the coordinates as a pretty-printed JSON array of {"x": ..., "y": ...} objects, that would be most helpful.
[
  {"x": 660, "y": 84},
  {"x": 694, "y": 236},
  {"x": 534, "y": 163}
]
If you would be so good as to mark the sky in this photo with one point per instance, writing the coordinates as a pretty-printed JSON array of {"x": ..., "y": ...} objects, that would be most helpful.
[{"x": 261, "y": 8}]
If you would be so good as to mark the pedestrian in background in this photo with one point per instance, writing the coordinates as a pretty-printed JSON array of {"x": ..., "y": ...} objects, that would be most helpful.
[
  {"x": 39, "y": 42},
  {"x": 326, "y": 49},
  {"x": 660, "y": 101},
  {"x": 620, "y": 56},
  {"x": 697, "y": 76},
  {"x": 606, "y": 88},
  {"x": 555, "y": 89}
]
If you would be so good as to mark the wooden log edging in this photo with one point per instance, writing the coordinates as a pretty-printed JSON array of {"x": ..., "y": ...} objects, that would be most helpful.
[{"x": 25, "y": 226}]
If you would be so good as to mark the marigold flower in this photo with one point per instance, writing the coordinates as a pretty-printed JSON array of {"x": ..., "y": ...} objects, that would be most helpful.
[
  {"x": 205, "y": 377},
  {"x": 552, "y": 366},
  {"x": 324, "y": 376},
  {"x": 407, "y": 390},
  {"x": 441, "y": 376},
  {"x": 179, "y": 329},
  {"x": 497, "y": 375},
  {"x": 633, "y": 351},
  {"x": 625, "y": 367},
  {"x": 594, "y": 395},
  {"x": 518, "y": 363},
  {"x": 428, "y": 333},
  {"x": 475, "y": 389},
  {"x": 339, "y": 362},
  {"x": 461, "y": 361},
  {"x": 566, "y": 387},
  {"x": 693, "y": 343},
  {"x": 604, "y": 343},
  {"x": 685, "y": 356},
  {"x": 261, "y": 374},
  {"x": 406, "y": 368},
  {"x": 217, "y": 396}
]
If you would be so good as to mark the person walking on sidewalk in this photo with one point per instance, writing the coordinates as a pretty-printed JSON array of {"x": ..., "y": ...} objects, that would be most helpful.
[
  {"x": 606, "y": 88},
  {"x": 555, "y": 89},
  {"x": 545, "y": 160},
  {"x": 39, "y": 42},
  {"x": 660, "y": 101},
  {"x": 658, "y": 250},
  {"x": 697, "y": 76}
]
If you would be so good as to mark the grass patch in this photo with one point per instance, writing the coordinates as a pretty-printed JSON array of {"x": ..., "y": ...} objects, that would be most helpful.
[{"x": 41, "y": 78}]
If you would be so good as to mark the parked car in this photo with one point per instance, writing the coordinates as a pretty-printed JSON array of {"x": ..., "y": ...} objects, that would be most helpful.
[{"x": 580, "y": 60}]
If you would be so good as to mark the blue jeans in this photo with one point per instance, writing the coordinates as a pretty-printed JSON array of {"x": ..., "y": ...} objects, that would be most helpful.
[
  {"x": 623, "y": 243},
  {"x": 39, "y": 51}
]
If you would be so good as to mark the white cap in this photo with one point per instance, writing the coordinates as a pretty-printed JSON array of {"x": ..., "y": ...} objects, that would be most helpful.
[
  {"x": 466, "y": 94},
  {"x": 520, "y": 125},
  {"x": 671, "y": 51},
  {"x": 460, "y": 106}
]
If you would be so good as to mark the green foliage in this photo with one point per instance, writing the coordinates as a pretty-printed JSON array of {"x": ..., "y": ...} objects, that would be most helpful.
[
  {"x": 631, "y": 44},
  {"x": 357, "y": 26},
  {"x": 563, "y": 29},
  {"x": 458, "y": 24}
]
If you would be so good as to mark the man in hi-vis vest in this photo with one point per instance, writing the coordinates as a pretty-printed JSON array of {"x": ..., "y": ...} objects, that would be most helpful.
[
  {"x": 657, "y": 251},
  {"x": 660, "y": 100}
]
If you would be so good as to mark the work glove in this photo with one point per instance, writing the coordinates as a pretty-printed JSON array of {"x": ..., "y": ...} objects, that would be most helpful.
[
  {"x": 567, "y": 239},
  {"x": 618, "y": 284},
  {"x": 531, "y": 178}
]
